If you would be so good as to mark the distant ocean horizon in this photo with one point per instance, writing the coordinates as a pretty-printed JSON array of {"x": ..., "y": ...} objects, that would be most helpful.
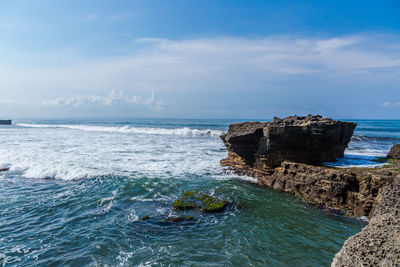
[{"x": 77, "y": 188}]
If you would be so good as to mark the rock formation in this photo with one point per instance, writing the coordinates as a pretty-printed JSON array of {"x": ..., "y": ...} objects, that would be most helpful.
[
  {"x": 394, "y": 152},
  {"x": 310, "y": 139},
  {"x": 277, "y": 154}
]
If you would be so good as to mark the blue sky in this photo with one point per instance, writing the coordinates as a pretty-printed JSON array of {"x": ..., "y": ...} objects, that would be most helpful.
[{"x": 200, "y": 59}]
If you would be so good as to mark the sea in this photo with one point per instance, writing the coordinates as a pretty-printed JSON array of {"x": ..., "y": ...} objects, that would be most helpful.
[{"x": 76, "y": 191}]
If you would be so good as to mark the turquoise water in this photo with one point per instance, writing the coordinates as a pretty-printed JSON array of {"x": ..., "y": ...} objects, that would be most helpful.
[{"x": 76, "y": 191}]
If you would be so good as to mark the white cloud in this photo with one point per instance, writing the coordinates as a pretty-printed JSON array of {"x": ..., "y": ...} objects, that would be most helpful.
[
  {"x": 114, "y": 98},
  {"x": 386, "y": 104},
  {"x": 175, "y": 65},
  {"x": 214, "y": 72}
]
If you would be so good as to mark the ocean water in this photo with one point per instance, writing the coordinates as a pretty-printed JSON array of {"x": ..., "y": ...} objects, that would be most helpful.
[{"x": 76, "y": 191}]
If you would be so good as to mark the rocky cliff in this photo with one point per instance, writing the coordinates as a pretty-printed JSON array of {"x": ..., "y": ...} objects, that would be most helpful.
[{"x": 310, "y": 139}]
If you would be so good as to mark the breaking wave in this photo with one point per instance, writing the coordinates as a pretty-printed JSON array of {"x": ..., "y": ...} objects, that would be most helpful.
[{"x": 185, "y": 131}]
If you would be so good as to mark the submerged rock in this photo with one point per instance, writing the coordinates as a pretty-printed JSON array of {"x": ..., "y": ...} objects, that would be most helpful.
[
  {"x": 162, "y": 219},
  {"x": 144, "y": 218},
  {"x": 310, "y": 139},
  {"x": 394, "y": 152},
  {"x": 178, "y": 219},
  {"x": 199, "y": 200}
]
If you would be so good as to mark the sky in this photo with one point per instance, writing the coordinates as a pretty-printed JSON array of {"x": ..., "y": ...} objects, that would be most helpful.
[{"x": 200, "y": 59}]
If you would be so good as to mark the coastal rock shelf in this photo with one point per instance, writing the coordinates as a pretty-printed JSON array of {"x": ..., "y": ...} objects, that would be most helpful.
[{"x": 285, "y": 155}]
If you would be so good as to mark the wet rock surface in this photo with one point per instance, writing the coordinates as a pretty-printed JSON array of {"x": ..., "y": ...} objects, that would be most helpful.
[
  {"x": 310, "y": 139},
  {"x": 353, "y": 192}
]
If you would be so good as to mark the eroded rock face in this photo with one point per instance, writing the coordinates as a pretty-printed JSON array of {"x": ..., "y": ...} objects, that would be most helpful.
[
  {"x": 351, "y": 192},
  {"x": 394, "y": 152},
  {"x": 310, "y": 139},
  {"x": 378, "y": 244}
]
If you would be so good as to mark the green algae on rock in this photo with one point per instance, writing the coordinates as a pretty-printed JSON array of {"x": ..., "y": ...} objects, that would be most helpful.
[{"x": 199, "y": 200}]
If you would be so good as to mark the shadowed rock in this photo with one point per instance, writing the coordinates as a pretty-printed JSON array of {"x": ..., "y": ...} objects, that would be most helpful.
[{"x": 394, "y": 152}]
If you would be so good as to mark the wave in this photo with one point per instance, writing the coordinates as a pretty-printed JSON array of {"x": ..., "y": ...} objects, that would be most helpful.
[
  {"x": 185, "y": 131},
  {"x": 355, "y": 160},
  {"x": 373, "y": 138},
  {"x": 379, "y": 129}
]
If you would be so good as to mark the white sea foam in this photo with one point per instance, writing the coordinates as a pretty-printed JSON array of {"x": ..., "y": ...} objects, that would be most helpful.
[
  {"x": 80, "y": 151},
  {"x": 75, "y": 152},
  {"x": 134, "y": 130},
  {"x": 366, "y": 152}
]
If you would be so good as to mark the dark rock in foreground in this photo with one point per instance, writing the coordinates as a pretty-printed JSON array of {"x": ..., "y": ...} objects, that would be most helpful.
[
  {"x": 394, "y": 152},
  {"x": 199, "y": 200},
  {"x": 4, "y": 169},
  {"x": 378, "y": 244},
  {"x": 310, "y": 139}
]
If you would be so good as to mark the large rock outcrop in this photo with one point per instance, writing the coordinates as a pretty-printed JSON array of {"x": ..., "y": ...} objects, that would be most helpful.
[
  {"x": 310, "y": 139},
  {"x": 255, "y": 149}
]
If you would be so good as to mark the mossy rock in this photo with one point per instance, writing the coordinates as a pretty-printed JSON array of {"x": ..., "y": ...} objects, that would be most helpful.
[{"x": 199, "y": 200}]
